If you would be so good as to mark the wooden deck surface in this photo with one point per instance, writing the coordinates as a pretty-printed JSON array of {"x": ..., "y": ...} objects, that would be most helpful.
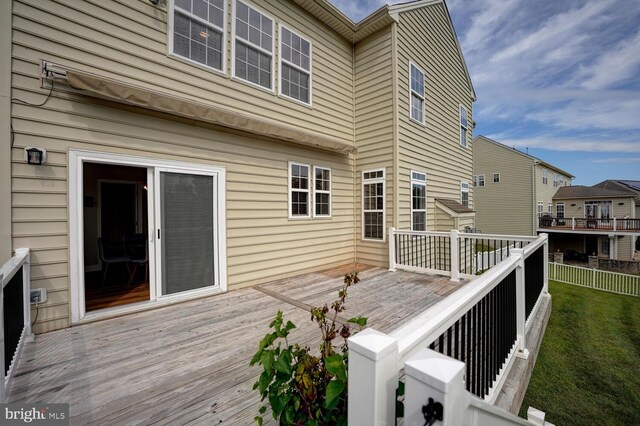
[{"x": 189, "y": 363}]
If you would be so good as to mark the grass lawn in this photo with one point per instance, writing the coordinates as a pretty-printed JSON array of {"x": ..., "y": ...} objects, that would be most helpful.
[{"x": 588, "y": 369}]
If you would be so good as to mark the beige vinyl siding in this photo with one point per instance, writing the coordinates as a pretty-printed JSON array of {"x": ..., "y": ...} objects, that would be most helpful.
[
  {"x": 262, "y": 243},
  {"x": 545, "y": 192},
  {"x": 374, "y": 132},
  {"x": 424, "y": 37},
  {"x": 505, "y": 207},
  {"x": 574, "y": 207},
  {"x": 127, "y": 41},
  {"x": 624, "y": 248}
]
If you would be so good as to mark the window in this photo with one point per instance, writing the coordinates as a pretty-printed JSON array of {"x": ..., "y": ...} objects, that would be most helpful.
[
  {"x": 496, "y": 178},
  {"x": 418, "y": 201},
  {"x": 597, "y": 209},
  {"x": 474, "y": 180},
  {"x": 540, "y": 208},
  {"x": 463, "y": 126},
  {"x": 480, "y": 180},
  {"x": 550, "y": 208},
  {"x": 253, "y": 46},
  {"x": 545, "y": 180},
  {"x": 556, "y": 180},
  {"x": 373, "y": 205},
  {"x": 322, "y": 191},
  {"x": 560, "y": 210},
  {"x": 295, "y": 66},
  {"x": 416, "y": 83},
  {"x": 197, "y": 31},
  {"x": 464, "y": 194},
  {"x": 298, "y": 190}
]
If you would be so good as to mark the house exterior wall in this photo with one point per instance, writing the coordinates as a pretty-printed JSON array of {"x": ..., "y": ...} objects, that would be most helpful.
[
  {"x": 374, "y": 132},
  {"x": 127, "y": 41},
  {"x": 5, "y": 130},
  {"x": 577, "y": 210},
  {"x": 424, "y": 37},
  {"x": 506, "y": 207},
  {"x": 624, "y": 251},
  {"x": 545, "y": 192}
]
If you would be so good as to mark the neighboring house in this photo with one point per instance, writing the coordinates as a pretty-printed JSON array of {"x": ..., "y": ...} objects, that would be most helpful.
[
  {"x": 512, "y": 189},
  {"x": 238, "y": 141},
  {"x": 632, "y": 186},
  {"x": 593, "y": 221}
]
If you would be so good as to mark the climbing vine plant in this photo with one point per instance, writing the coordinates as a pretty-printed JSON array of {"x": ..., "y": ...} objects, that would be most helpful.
[{"x": 303, "y": 387}]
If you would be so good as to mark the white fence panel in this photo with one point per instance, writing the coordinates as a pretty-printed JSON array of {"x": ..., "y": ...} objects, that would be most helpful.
[{"x": 611, "y": 282}]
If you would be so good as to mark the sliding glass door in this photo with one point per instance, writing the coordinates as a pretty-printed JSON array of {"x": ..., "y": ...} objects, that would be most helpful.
[{"x": 186, "y": 231}]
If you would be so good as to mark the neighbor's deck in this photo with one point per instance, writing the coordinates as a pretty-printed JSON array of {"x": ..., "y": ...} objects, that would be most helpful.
[{"x": 189, "y": 363}]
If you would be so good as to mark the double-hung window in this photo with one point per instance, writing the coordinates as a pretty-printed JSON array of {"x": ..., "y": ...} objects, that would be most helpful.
[
  {"x": 197, "y": 31},
  {"x": 545, "y": 179},
  {"x": 540, "y": 208},
  {"x": 295, "y": 66},
  {"x": 496, "y": 178},
  {"x": 560, "y": 210},
  {"x": 464, "y": 126},
  {"x": 373, "y": 205},
  {"x": 253, "y": 46},
  {"x": 480, "y": 180},
  {"x": 550, "y": 208},
  {"x": 322, "y": 191},
  {"x": 299, "y": 203},
  {"x": 464, "y": 193},
  {"x": 416, "y": 98},
  {"x": 474, "y": 180},
  {"x": 418, "y": 201}
]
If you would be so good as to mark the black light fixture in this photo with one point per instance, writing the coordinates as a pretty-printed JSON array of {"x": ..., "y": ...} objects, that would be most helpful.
[{"x": 35, "y": 156}]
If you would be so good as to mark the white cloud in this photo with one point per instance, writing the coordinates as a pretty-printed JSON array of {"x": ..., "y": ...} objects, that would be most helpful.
[
  {"x": 552, "y": 143},
  {"x": 614, "y": 66},
  {"x": 617, "y": 160}
]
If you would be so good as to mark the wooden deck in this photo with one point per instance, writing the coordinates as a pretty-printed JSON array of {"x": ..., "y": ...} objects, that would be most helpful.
[{"x": 189, "y": 363}]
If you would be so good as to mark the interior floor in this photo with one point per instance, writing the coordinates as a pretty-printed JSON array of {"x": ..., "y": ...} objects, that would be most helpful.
[{"x": 116, "y": 289}]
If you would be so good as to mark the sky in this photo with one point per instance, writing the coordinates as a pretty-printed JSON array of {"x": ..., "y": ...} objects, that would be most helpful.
[{"x": 559, "y": 78}]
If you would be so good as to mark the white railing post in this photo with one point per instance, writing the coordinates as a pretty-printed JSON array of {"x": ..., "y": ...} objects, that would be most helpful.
[
  {"x": 3, "y": 391},
  {"x": 392, "y": 249},
  {"x": 430, "y": 374},
  {"x": 26, "y": 289},
  {"x": 573, "y": 223},
  {"x": 454, "y": 237},
  {"x": 373, "y": 378},
  {"x": 614, "y": 224},
  {"x": 521, "y": 311},
  {"x": 545, "y": 262}
]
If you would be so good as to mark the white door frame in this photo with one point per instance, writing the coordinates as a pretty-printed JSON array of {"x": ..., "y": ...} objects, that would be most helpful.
[{"x": 76, "y": 230}]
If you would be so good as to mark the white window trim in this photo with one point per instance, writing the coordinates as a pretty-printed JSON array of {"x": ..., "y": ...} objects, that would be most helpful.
[
  {"x": 463, "y": 190},
  {"x": 76, "y": 234},
  {"x": 280, "y": 60},
  {"x": 540, "y": 210},
  {"x": 545, "y": 177},
  {"x": 474, "y": 180},
  {"x": 499, "y": 178},
  {"x": 317, "y": 191},
  {"x": 466, "y": 128},
  {"x": 560, "y": 203},
  {"x": 481, "y": 180},
  {"x": 384, "y": 203},
  {"x": 308, "y": 191},
  {"x": 233, "y": 48},
  {"x": 423, "y": 183},
  {"x": 171, "y": 54},
  {"x": 424, "y": 101}
]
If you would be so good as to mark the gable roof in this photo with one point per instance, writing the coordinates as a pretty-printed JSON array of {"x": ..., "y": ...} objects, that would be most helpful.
[
  {"x": 387, "y": 14},
  {"x": 632, "y": 186},
  {"x": 514, "y": 150},
  {"x": 579, "y": 191},
  {"x": 454, "y": 205}
]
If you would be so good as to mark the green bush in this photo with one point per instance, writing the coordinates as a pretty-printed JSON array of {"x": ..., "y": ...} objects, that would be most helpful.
[{"x": 300, "y": 387}]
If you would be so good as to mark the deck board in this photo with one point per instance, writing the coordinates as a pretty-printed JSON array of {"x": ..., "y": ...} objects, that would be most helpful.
[{"x": 188, "y": 363}]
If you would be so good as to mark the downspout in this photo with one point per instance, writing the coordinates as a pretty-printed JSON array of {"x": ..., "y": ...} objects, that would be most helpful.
[
  {"x": 355, "y": 155},
  {"x": 535, "y": 199},
  {"x": 6, "y": 134},
  {"x": 396, "y": 137}
]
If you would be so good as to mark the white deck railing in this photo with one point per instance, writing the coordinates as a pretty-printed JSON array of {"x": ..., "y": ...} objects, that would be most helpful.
[
  {"x": 14, "y": 303},
  {"x": 483, "y": 324},
  {"x": 612, "y": 282}
]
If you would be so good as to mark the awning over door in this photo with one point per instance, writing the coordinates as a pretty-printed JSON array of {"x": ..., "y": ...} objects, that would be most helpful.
[{"x": 158, "y": 101}]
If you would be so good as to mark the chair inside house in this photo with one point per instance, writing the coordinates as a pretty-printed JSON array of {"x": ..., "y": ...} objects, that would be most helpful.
[
  {"x": 110, "y": 254},
  {"x": 135, "y": 247}
]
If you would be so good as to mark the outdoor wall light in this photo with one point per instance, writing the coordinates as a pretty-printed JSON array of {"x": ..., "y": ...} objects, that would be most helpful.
[
  {"x": 35, "y": 156},
  {"x": 573, "y": 205}
]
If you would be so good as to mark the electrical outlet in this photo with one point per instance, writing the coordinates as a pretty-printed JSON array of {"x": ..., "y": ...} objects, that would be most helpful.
[{"x": 38, "y": 295}]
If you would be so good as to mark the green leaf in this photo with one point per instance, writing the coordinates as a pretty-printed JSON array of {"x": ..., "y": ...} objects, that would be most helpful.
[
  {"x": 334, "y": 390},
  {"x": 283, "y": 363},
  {"x": 335, "y": 365},
  {"x": 267, "y": 361},
  {"x": 289, "y": 415},
  {"x": 263, "y": 382},
  {"x": 278, "y": 402},
  {"x": 289, "y": 326},
  {"x": 258, "y": 420},
  {"x": 361, "y": 321},
  {"x": 262, "y": 409}
]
